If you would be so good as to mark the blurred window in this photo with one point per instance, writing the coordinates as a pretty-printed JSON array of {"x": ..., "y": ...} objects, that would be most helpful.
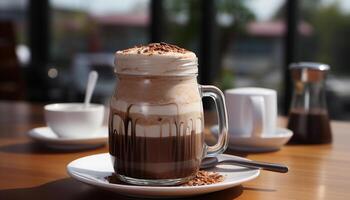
[
  {"x": 84, "y": 36},
  {"x": 329, "y": 26},
  {"x": 249, "y": 39},
  {"x": 249, "y": 42},
  {"x": 252, "y": 44}
]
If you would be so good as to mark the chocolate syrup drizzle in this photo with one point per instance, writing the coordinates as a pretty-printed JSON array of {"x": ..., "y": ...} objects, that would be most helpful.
[{"x": 165, "y": 157}]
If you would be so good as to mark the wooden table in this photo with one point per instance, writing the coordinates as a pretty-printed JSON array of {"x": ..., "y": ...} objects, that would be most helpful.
[{"x": 28, "y": 171}]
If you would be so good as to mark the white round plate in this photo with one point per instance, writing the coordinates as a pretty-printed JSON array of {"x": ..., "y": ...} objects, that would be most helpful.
[
  {"x": 264, "y": 143},
  {"x": 94, "y": 169},
  {"x": 46, "y": 136}
]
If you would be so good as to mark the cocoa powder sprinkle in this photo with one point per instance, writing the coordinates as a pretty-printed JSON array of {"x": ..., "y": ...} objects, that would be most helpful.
[
  {"x": 205, "y": 178},
  {"x": 156, "y": 48}
]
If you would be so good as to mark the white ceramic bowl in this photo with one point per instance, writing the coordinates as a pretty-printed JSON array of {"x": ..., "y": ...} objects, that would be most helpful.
[{"x": 73, "y": 120}]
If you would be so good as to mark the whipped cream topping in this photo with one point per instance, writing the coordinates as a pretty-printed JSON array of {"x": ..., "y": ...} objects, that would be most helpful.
[{"x": 159, "y": 59}]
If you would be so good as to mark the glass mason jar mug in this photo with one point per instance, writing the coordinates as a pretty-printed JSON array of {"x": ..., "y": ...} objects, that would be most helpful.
[{"x": 156, "y": 119}]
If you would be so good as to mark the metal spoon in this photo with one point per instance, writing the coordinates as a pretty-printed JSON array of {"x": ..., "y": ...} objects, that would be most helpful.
[
  {"x": 90, "y": 87},
  {"x": 211, "y": 162}
]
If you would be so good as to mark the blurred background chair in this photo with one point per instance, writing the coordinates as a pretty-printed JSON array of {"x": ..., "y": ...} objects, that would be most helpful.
[{"x": 11, "y": 82}]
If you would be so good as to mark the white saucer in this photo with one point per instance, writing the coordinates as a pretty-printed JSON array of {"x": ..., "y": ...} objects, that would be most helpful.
[
  {"x": 93, "y": 169},
  {"x": 258, "y": 144},
  {"x": 46, "y": 136}
]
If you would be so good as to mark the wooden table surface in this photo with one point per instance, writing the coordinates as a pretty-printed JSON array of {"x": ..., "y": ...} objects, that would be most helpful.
[{"x": 29, "y": 171}]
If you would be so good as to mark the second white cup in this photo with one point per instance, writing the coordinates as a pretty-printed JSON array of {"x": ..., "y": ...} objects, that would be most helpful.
[
  {"x": 252, "y": 112},
  {"x": 73, "y": 120}
]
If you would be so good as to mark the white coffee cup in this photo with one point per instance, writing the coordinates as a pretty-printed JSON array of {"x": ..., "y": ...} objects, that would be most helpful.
[
  {"x": 252, "y": 112},
  {"x": 73, "y": 120}
]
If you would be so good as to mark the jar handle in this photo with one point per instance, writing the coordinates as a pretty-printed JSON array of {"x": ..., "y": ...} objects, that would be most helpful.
[{"x": 219, "y": 99}]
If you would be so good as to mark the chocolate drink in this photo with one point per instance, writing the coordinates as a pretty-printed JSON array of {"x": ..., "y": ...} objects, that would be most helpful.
[
  {"x": 156, "y": 134},
  {"x": 172, "y": 149},
  {"x": 156, "y": 116},
  {"x": 309, "y": 128}
]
